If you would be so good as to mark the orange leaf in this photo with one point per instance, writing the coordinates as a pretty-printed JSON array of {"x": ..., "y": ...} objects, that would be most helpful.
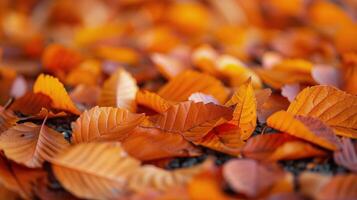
[
  {"x": 160, "y": 179},
  {"x": 152, "y": 101},
  {"x": 192, "y": 120},
  {"x": 119, "y": 91},
  {"x": 245, "y": 111},
  {"x": 118, "y": 54},
  {"x": 330, "y": 105},
  {"x": 168, "y": 67},
  {"x": 105, "y": 123},
  {"x": 95, "y": 170},
  {"x": 349, "y": 72},
  {"x": 31, "y": 103},
  {"x": 85, "y": 94},
  {"x": 54, "y": 89},
  {"x": 347, "y": 155},
  {"x": 204, "y": 57},
  {"x": 201, "y": 97},
  {"x": 306, "y": 128},
  {"x": 249, "y": 177},
  {"x": 188, "y": 82},
  {"x": 88, "y": 72},
  {"x": 157, "y": 144},
  {"x": 32, "y": 144},
  {"x": 339, "y": 187},
  {"x": 59, "y": 58}
]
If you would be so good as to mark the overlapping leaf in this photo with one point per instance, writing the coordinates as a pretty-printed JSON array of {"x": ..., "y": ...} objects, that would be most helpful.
[
  {"x": 31, "y": 144},
  {"x": 105, "y": 123},
  {"x": 7, "y": 119},
  {"x": 332, "y": 106},
  {"x": 54, "y": 89},
  {"x": 192, "y": 120},
  {"x": 31, "y": 103},
  {"x": 119, "y": 91},
  {"x": 95, "y": 170},
  {"x": 245, "y": 111},
  {"x": 347, "y": 156},
  {"x": 188, "y": 82},
  {"x": 152, "y": 101},
  {"x": 306, "y": 128}
]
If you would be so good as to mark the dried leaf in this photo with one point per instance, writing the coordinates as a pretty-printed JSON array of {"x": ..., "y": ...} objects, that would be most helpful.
[
  {"x": 295, "y": 150},
  {"x": 59, "y": 58},
  {"x": 192, "y": 120},
  {"x": 326, "y": 75},
  {"x": 201, "y": 97},
  {"x": 347, "y": 155},
  {"x": 330, "y": 105},
  {"x": 152, "y": 101},
  {"x": 54, "y": 89},
  {"x": 157, "y": 178},
  {"x": 188, "y": 82},
  {"x": 119, "y": 91},
  {"x": 290, "y": 91},
  {"x": 88, "y": 73},
  {"x": 168, "y": 66},
  {"x": 306, "y": 128},
  {"x": 95, "y": 170},
  {"x": 84, "y": 94},
  {"x": 340, "y": 187},
  {"x": 30, "y": 144},
  {"x": 157, "y": 144},
  {"x": 31, "y": 103},
  {"x": 349, "y": 72},
  {"x": 245, "y": 111},
  {"x": 249, "y": 177},
  {"x": 105, "y": 123}
]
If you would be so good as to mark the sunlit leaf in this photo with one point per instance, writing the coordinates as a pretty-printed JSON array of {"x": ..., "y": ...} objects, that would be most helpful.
[
  {"x": 152, "y": 101},
  {"x": 119, "y": 91}
]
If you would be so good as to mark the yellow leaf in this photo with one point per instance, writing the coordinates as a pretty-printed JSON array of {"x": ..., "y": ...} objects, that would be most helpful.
[
  {"x": 95, "y": 170},
  {"x": 306, "y": 128},
  {"x": 31, "y": 144},
  {"x": 105, "y": 123},
  {"x": 245, "y": 111},
  {"x": 54, "y": 89},
  {"x": 336, "y": 108},
  {"x": 119, "y": 91},
  {"x": 188, "y": 82}
]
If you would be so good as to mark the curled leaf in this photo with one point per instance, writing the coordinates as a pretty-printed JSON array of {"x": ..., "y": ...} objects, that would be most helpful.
[
  {"x": 119, "y": 91},
  {"x": 31, "y": 144},
  {"x": 54, "y": 89},
  {"x": 104, "y": 123}
]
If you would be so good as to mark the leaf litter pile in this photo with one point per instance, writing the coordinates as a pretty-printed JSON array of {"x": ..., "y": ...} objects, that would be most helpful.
[{"x": 201, "y": 100}]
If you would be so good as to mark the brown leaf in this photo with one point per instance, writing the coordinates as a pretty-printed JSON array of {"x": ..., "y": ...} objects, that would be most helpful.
[
  {"x": 188, "y": 82},
  {"x": 85, "y": 94},
  {"x": 105, "y": 123},
  {"x": 156, "y": 144},
  {"x": 336, "y": 108},
  {"x": 95, "y": 170},
  {"x": 119, "y": 91},
  {"x": 347, "y": 155},
  {"x": 30, "y": 144},
  {"x": 306, "y": 128},
  {"x": 192, "y": 120}
]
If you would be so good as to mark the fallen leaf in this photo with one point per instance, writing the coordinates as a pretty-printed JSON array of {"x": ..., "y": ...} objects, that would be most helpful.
[
  {"x": 188, "y": 82},
  {"x": 340, "y": 187},
  {"x": 336, "y": 108},
  {"x": 249, "y": 177},
  {"x": 245, "y": 111},
  {"x": 156, "y": 144},
  {"x": 192, "y": 120},
  {"x": 290, "y": 91},
  {"x": 104, "y": 123},
  {"x": 54, "y": 89},
  {"x": 57, "y": 57},
  {"x": 30, "y": 144},
  {"x": 84, "y": 94},
  {"x": 347, "y": 155},
  {"x": 326, "y": 75},
  {"x": 349, "y": 72},
  {"x": 88, "y": 73},
  {"x": 168, "y": 66},
  {"x": 7, "y": 119},
  {"x": 306, "y": 128},
  {"x": 31, "y": 103},
  {"x": 152, "y": 101},
  {"x": 119, "y": 91},
  {"x": 95, "y": 170}
]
